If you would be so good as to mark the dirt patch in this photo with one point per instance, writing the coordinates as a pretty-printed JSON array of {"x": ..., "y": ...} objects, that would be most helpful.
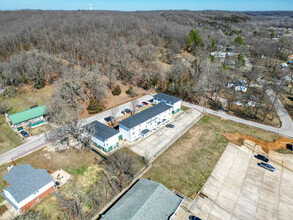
[
  {"x": 277, "y": 145},
  {"x": 3, "y": 209},
  {"x": 111, "y": 101}
]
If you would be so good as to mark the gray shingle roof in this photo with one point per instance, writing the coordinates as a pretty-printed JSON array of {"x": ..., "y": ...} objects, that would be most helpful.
[
  {"x": 146, "y": 200},
  {"x": 100, "y": 130},
  {"x": 25, "y": 180},
  {"x": 166, "y": 97},
  {"x": 144, "y": 115}
]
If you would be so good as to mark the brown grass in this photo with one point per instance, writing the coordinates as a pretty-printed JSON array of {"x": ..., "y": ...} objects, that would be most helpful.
[{"x": 186, "y": 165}]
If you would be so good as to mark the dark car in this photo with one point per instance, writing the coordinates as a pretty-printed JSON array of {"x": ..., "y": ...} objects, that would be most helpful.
[
  {"x": 266, "y": 166},
  {"x": 145, "y": 103},
  {"x": 57, "y": 185},
  {"x": 192, "y": 217},
  {"x": 109, "y": 118},
  {"x": 123, "y": 112},
  {"x": 170, "y": 126},
  {"x": 261, "y": 157},
  {"x": 24, "y": 133},
  {"x": 127, "y": 110}
]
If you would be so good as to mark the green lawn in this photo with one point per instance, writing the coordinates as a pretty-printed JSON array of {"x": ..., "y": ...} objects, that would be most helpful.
[
  {"x": 184, "y": 108},
  {"x": 8, "y": 138},
  {"x": 187, "y": 164}
]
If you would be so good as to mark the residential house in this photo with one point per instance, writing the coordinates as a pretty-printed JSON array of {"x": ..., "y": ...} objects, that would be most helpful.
[
  {"x": 26, "y": 186},
  {"x": 239, "y": 85},
  {"x": 140, "y": 125},
  {"x": 173, "y": 101},
  {"x": 146, "y": 200},
  {"x": 102, "y": 136},
  {"x": 27, "y": 119}
]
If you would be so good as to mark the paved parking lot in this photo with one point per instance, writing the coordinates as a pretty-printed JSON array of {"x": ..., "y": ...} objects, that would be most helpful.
[
  {"x": 163, "y": 136},
  {"x": 239, "y": 189}
]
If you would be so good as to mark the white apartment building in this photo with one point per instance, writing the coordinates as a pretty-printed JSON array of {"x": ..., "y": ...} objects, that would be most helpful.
[
  {"x": 102, "y": 136},
  {"x": 173, "y": 101},
  {"x": 141, "y": 124}
]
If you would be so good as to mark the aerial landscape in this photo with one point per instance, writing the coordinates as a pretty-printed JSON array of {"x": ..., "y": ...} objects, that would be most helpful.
[{"x": 146, "y": 110}]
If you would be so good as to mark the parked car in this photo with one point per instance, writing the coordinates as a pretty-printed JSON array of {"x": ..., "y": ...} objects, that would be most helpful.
[
  {"x": 261, "y": 157},
  {"x": 109, "y": 118},
  {"x": 24, "y": 133},
  {"x": 145, "y": 103},
  {"x": 123, "y": 112},
  {"x": 192, "y": 217},
  {"x": 266, "y": 166},
  {"x": 151, "y": 101},
  {"x": 57, "y": 184},
  {"x": 170, "y": 126},
  {"x": 127, "y": 110}
]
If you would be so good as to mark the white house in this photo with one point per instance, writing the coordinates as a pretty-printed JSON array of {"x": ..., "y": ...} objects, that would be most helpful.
[
  {"x": 141, "y": 124},
  {"x": 169, "y": 100},
  {"x": 102, "y": 136},
  {"x": 26, "y": 186}
]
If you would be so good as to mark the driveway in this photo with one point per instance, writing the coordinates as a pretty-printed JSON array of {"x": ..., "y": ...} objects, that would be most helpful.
[
  {"x": 239, "y": 189},
  {"x": 163, "y": 137}
]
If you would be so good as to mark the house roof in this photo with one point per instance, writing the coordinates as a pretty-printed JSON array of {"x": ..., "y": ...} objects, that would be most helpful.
[
  {"x": 145, "y": 200},
  {"x": 100, "y": 130},
  {"x": 28, "y": 114},
  {"x": 166, "y": 97},
  {"x": 25, "y": 180},
  {"x": 144, "y": 115}
]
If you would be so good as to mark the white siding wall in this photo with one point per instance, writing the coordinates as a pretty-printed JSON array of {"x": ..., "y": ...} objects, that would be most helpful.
[
  {"x": 31, "y": 197},
  {"x": 125, "y": 132},
  {"x": 107, "y": 143},
  {"x": 177, "y": 105},
  {"x": 151, "y": 124},
  {"x": 111, "y": 141}
]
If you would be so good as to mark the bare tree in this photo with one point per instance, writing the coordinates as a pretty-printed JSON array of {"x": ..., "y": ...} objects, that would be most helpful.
[{"x": 134, "y": 104}]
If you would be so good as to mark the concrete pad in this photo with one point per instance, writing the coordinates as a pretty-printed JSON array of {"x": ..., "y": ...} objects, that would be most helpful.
[
  {"x": 239, "y": 189},
  {"x": 153, "y": 144},
  {"x": 61, "y": 176}
]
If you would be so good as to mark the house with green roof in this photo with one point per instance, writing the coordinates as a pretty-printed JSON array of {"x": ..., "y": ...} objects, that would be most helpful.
[
  {"x": 30, "y": 118},
  {"x": 146, "y": 200}
]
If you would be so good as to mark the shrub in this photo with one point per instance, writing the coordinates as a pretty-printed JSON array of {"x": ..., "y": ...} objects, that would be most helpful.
[
  {"x": 239, "y": 41},
  {"x": 95, "y": 106},
  {"x": 117, "y": 90}
]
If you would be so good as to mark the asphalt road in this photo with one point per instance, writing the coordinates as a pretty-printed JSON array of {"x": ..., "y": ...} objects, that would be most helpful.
[
  {"x": 37, "y": 142},
  {"x": 284, "y": 131}
]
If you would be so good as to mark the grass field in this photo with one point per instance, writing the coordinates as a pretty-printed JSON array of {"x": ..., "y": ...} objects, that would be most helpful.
[
  {"x": 287, "y": 101},
  {"x": 8, "y": 138},
  {"x": 186, "y": 165}
]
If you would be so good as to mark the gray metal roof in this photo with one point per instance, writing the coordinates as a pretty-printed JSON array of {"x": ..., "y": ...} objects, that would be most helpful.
[
  {"x": 144, "y": 201},
  {"x": 25, "y": 180},
  {"x": 166, "y": 97},
  {"x": 144, "y": 115},
  {"x": 100, "y": 130}
]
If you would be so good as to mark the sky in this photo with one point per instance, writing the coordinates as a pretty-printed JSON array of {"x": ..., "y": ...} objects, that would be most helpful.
[{"x": 144, "y": 5}]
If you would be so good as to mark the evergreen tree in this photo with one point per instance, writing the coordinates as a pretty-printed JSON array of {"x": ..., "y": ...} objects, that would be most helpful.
[
  {"x": 95, "y": 106},
  {"x": 117, "y": 90}
]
